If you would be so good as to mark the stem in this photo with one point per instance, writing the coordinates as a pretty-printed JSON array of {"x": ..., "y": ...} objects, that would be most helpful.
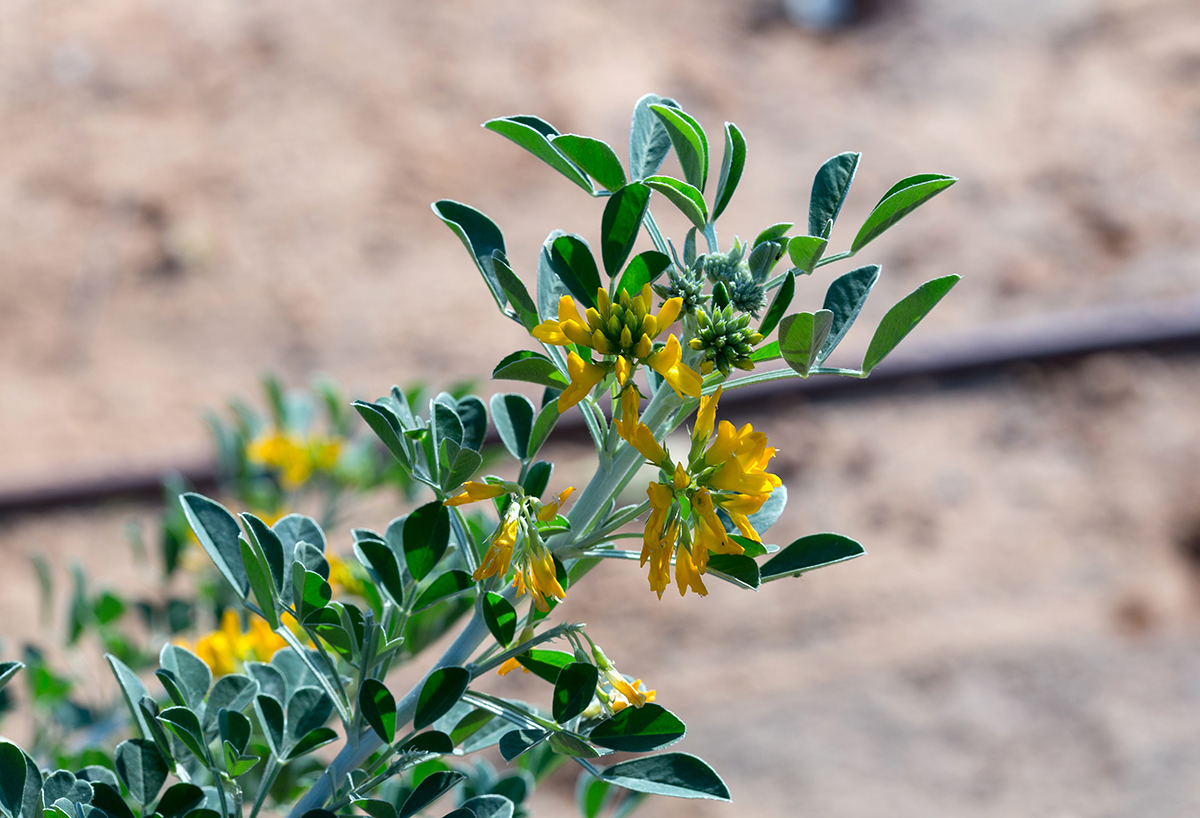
[
  {"x": 656, "y": 236},
  {"x": 264, "y": 785},
  {"x": 355, "y": 752},
  {"x": 335, "y": 692},
  {"x": 710, "y": 236}
]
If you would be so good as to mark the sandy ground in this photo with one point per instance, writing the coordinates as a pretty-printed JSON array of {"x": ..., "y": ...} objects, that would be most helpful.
[{"x": 192, "y": 194}]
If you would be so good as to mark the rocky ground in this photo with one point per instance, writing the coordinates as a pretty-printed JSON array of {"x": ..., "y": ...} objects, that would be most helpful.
[{"x": 193, "y": 194}]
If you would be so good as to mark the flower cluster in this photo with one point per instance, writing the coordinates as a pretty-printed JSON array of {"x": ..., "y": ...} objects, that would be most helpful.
[
  {"x": 726, "y": 340},
  {"x": 295, "y": 458},
  {"x": 228, "y": 646},
  {"x": 517, "y": 540},
  {"x": 726, "y": 472},
  {"x": 623, "y": 332}
]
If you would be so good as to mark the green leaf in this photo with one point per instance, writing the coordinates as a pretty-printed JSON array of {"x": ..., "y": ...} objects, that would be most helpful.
[
  {"x": 687, "y": 198},
  {"x": 591, "y": 795},
  {"x": 380, "y": 562},
  {"x": 480, "y": 236},
  {"x": 8, "y": 670},
  {"x": 378, "y": 707},
  {"x": 63, "y": 784},
  {"x": 572, "y": 261},
  {"x": 845, "y": 298},
  {"x": 307, "y": 709},
  {"x": 260, "y": 582},
  {"x": 183, "y": 723},
  {"x": 779, "y": 304},
  {"x": 270, "y": 718},
  {"x": 107, "y": 799},
  {"x": 752, "y": 548},
  {"x": 234, "y": 693},
  {"x": 766, "y": 352},
  {"x": 218, "y": 532},
  {"x": 763, "y": 259},
  {"x": 732, "y": 164},
  {"x": 903, "y": 317},
  {"x": 829, "y": 190},
  {"x": 643, "y": 269},
  {"x": 234, "y": 728},
  {"x": 376, "y": 808},
  {"x": 386, "y": 426},
  {"x": 486, "y": 806},
  {"x": 441, "y": 691},
  {"x": 736, "y": 568},
  {"x": 312, "y": 592},
  {"x": 524, "y": 310},
  {"x": 500, "y": 617},
  {"x": 270, "y": 546},
  {"x": 12, "y": 778},
  {"x": 179, "y": 799},
  {"x": 132, "y": 690},
  {"x": 570, "y": 745},
  {"x": 311, "y": 741},
  {"x": 689, "y": 141},
  {"x": 639, "y": 729},
  {"x": 513, "y": 415},
  {"x": 809, "y": 553},
  {"x": 537, "y": 478},
  {"x": 463, "y": 463},
  {"x": 620, "y": 224},
  {"x": 543, "y": 425},
  {"x": 904, "y": 197},
  {"x": 426, "y": 536},
  {"x": 190, "y": 673},
  {"x": 470, "y": 724},
  {"x": 446, "y": 585},
  {"x": 545, "y": 664},
  {"x": 574, "y": 690},
  {"x": 678, "y": 775},
  {"x": 594, "y": 157},
  {"x": 533, "y": 134},
  {"x": 472, "y": 413},
  {"x": 531, "y": 367},
  {"x": 516, "y": 743},
  {"x": 775, "y": 233},
  {"x": 431, "y": 741},
  {"x": 801, "y": 336},
  {"x": 649, "y": 142},
  {"x": 806, "y": 251}
]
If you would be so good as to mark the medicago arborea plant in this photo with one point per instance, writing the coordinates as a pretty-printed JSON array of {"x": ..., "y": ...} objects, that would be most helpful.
[{"x": 640, "y": 345}]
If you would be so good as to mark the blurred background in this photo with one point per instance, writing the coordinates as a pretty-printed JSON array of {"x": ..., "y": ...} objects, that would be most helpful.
[{"x": 193, "y": 194}]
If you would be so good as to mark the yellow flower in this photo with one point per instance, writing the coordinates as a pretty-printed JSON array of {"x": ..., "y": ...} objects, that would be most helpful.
[
  {"x": 625, "y": 330},
  {"x": 730, "y": 474},
  {"x": 620, "y": 693},
  {"x": 550, "y": 510},
  {"x": 516, "y": 540},
  {"x": 474, "y": 492},
  {"x": 687, "y": 572},
  {"x": 294, "y": 457},
  {"x": 223, "y": 649},
  {"x": 500, "y": 550}
]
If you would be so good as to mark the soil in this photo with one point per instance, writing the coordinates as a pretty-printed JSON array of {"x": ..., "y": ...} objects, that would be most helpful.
[{"x": 194, "y": 194}]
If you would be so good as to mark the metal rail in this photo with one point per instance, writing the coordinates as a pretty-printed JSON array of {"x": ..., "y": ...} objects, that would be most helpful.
[{"x": 1162, "y": 328}]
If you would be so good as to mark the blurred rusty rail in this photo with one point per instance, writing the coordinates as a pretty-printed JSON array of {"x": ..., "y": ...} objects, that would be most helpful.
[{"x": 1161, "y": 328}]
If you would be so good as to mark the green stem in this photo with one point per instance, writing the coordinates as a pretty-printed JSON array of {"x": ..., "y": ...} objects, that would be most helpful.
[
  {"x": 264, "y": 785},
  {"x": 656, "y": 236}
]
